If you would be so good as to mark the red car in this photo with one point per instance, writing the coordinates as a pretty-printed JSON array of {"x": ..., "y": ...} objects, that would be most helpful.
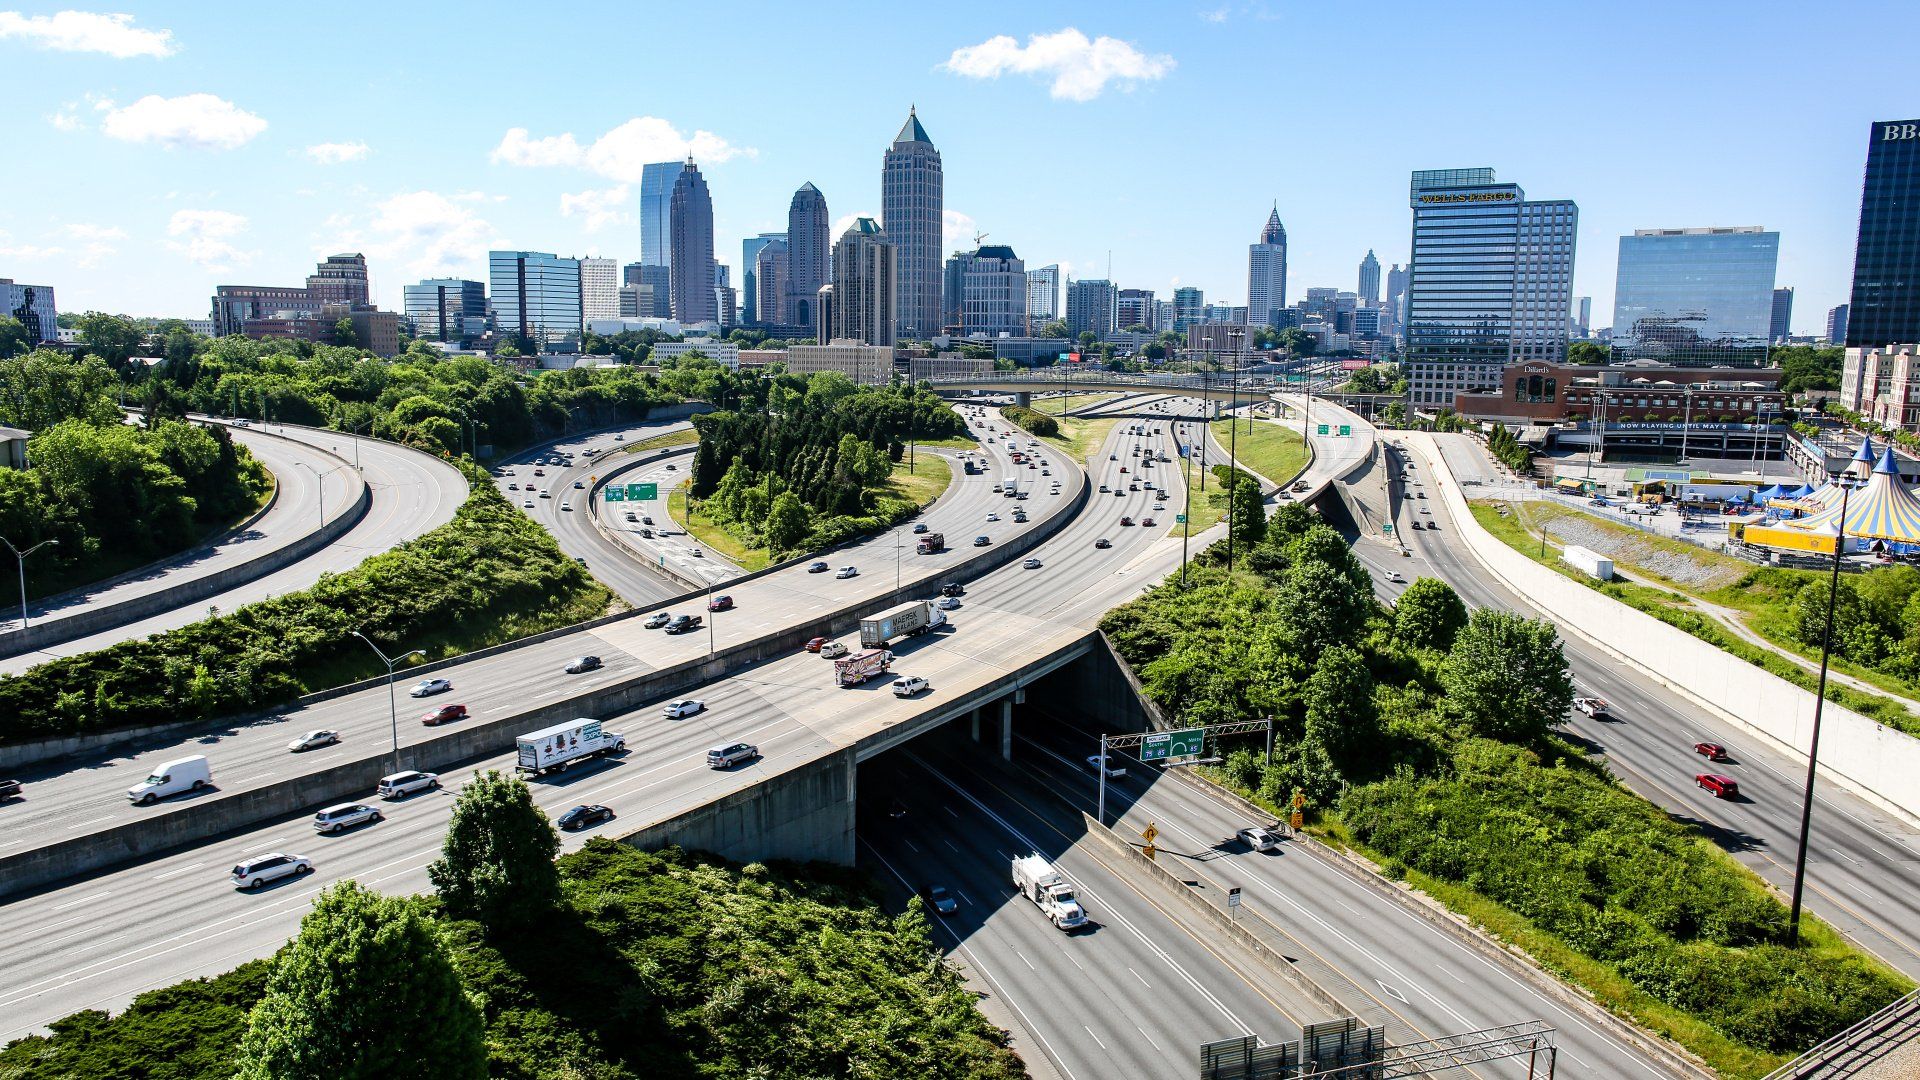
[
  {"x": 1712, "y": 751},
  {"x": 1126, "y": 521},
  {"x": 720, "y": 603},
  {"x": 445, "y": 714},
  {"x": 1148, "y": 523},
  {"x": 1718, "y": 786},
  {"x": 815, "y": 644}
]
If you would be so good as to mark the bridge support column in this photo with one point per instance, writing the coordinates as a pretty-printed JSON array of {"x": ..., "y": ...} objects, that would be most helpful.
[
  {"x": 1023, "y": 398},
  {"x": 1006, "y": 728},
  {"x": 976, "y": 724}
]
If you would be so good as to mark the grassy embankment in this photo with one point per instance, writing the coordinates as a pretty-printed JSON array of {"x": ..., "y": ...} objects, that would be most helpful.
[{"x": 1270, "y": 450}]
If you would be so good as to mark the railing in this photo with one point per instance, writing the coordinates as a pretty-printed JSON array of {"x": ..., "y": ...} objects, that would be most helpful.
[{"x": 1859, "y": 1044}]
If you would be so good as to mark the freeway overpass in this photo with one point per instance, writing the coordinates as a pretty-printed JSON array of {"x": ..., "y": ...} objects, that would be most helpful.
[{"x": 1072, "y": 379}]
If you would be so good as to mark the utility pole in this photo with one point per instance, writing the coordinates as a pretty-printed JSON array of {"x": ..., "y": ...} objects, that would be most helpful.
[
  {"x": 393, "y": 708},
  {"x": 1847, "y": 483},
  {"x": 21, "y": 557}
]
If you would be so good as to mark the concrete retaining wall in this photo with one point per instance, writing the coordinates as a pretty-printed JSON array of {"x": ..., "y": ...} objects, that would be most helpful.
[
  {"x": 1879, "y": 763},
  {"x": 804, "y": 814},
  {"x": 94, "y": 620}
]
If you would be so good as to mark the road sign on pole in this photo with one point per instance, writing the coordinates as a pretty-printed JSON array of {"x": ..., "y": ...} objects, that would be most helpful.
[
  {"x": 614, "y": 494},
  {"x": 1233, "y": 901},
  {"x": 1322, "y": 430},
  {"x": 1149, "y": 834},
  {"x": 1346, "y": 429},
  {"x": 1187, "y": 742},
  {"x": 1179, "y": 519},
  {"x": 643, "y": 492}
]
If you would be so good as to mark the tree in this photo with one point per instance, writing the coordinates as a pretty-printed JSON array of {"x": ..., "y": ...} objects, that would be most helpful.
[
  {"x": 497, "y": 863},
  {"x": 343, "y": 334},
  {"x": 1319, "y": 607},
  {"x": 1249, "y": 512},
  {"x": 1429, "y": 615},
  {"x": 365, "y": 990},
  {"x": 787, "y": 522},
  {"x": 1296, "y": 342},
  {"x": 14, "y": 339},
  {"x": 1586, "y": 352},
  {"x": 1339, "y": 701},
  {"x": 1322, "y": 543},
  {"x": 112, "y": 338},
  {"x": 1507, "y": 676},
  {"x": 1055, "y": 329}
]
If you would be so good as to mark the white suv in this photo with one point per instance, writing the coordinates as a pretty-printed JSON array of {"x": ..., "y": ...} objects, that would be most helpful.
[
  {"x": 401, "y": 784},
  {"x": 345, "y": 816},
  {"x": 262, "y": 869},
  {"x": 908, "y": 686}
]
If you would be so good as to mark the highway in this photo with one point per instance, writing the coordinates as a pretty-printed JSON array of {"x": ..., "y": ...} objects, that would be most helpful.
[{"x": 412, "y": 493}]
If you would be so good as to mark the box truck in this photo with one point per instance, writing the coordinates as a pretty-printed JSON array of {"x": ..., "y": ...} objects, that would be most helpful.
[
  {"x": 553, "y": 748},
  {"x": 1039, "y": 882},
  {"x": 861, "y": 666}
]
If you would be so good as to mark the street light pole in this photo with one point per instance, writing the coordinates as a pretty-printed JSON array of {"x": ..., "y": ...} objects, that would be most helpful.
[
  {"x": 320, "y": 480},
  {"x": 21, "y": 558},
  {"x": 393, "y": 707},
  {"x": 1235, "y": 335},
  {"x": 1846, "y": 483},
  {"x": 1686, "y": 423}
]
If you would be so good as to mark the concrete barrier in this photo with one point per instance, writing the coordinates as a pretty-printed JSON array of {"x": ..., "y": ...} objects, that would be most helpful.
[
  {"x": 600, "y": 526},
  {"x": 93, "y": 620},
  {"x": 805, "y": 814},
  {"x": 217, "y": 814},
  {"x": 1876, "y": 762}
]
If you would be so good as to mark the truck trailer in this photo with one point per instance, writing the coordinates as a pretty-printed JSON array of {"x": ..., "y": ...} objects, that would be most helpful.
[
  {"x": 932, "y": 543},
  {"x": 555, "y": 748},
  {"x": 908, "y": 620},
  {"x": 861, "y": 666}
]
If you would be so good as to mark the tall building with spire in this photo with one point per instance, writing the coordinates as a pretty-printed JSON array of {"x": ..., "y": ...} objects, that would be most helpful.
[
  {"x": 1369, "y": 280},
  {"x": 1267, "y": 273},
  {"x": 911, "y": 207},
  {"x": 690, "y": 269},
  {"x": 809, "y": 255}
]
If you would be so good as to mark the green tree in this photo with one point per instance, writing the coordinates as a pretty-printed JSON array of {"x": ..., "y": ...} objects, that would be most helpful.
[
  {"x": 1507, "y": 676},
  {"x": 365, "y": 990},
  {"x": 787, "y": 522},
  {"x": 1339, "y": 701},
  {"x": 1586, "y": 352},
  {"x": 1429, "y": 615},
  {"x": 1055, "y": 329},
  {"x": 1323, "y": 544},
  {"x": 1319, "y": 607},
  {"x": 14, "y": 339},
  {"x": 112, "y": 338},
  {"x": 344, "y": 336},
  {"x": 1295, "y": 341},
  {"x": 1249, "y": 512},
  {"x": 496, "y": 865}
]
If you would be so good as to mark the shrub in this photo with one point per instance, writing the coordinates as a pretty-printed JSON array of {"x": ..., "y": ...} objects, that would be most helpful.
[{"x": 1039, "y": 423}]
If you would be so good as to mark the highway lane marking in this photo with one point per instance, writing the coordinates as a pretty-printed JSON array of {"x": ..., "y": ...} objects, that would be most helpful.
[
  {"x": 1143, "y": 1034},
  {"x": 950, "y": 812},
  {"x": 1142, "y": 978},
  {"x": 1450, "y": 974},
  {"x": 1024, "y": 960},
  {"x": 949, "y": 844},
  {"x": 83, "y": 900},
  {"x": 910, "y": 844},
  {"x": 171, "y": 873},
  {"x": 1392, "y": 991},
  {"x": 89, "y": 821},
  {"x": 1096, "y": 1038},
  {"x": 963, "y": 896}
]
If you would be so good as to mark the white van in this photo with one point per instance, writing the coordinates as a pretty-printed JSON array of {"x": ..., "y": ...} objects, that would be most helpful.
[{"x": 172, "y": 778}]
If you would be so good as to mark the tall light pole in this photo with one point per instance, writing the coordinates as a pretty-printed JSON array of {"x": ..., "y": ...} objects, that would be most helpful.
[
  {"x": 1686, "y": 423},
  {"x": 21, "y": 558},
  {"x": 393, "y": 707},
  {"x": 320, "y": 481},
  {"x": 1235, "y": 335},
  {"x": 1847, "y": 483}
]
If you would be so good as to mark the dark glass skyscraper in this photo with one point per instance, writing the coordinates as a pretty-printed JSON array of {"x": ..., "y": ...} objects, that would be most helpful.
[
  {"x": 1885, "y": 308},
  {"x": 656, "y": 212},
  {"x": 690, "y": 261},
  {"x": 536, "y": 296}
]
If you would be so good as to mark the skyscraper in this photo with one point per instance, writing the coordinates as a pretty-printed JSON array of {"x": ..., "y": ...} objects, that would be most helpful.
[
  {"x": 1395, "y": 322},
  {"x": 1695, "y": 297},
  {"x": 1092, "y": 304},
  {"x": 1136, "y": 308},
  {"x": 987, "y": 291},
  {"x": 865, "y": 272},
  {"x": 599, "y": 289},
  {"x": 1369, "y": 280},
  {"x": 656, "y": 212},
  {"x": 1885, "y": 306},
  {"x": 1491, "y": 282},
  {"x": 341, "y": 279},
  {"x": 771, "y": 265},
  {"x": 750, "y": 278},
  {"x": 446, "y": 309},
  {"x": 657, "y": 281},
  {"x": 1266, "y": 273},
  {"x": 1837, "y": 324},
  {"x": 1043, "y": 297},
  {"x": 690, "y": 263},
  {"x": 33, "y": 306},
  {"x": 911, "y": 208},
  {"x": 536, "y": 296},
  {"x": 1190, "y": 306},
  {"x": 809, "y": 254},
  {"x": 1780, "y": 322}
]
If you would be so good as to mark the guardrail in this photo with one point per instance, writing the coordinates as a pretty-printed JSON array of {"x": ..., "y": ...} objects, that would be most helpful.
[{"x": 1897, "y": 1023}]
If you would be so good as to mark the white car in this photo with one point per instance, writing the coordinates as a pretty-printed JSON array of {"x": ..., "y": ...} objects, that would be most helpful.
[
  {"x": 401, "y": 784},
  {"x": 345, "y": 816},
  {"x": 1394, "y": 576},
  {"x": 993, "y": 517},
  {"x": 909, "y": 686},
  {"x": 1113, "y": 771},
  {"x": 947, "y": 603},
  {"x": 430, "y": 687},
  {"x": 833, "y": 650},
  {"x": 847, "y": 571},
  {"x": 687, "y": 707},
  {"x": 262, "y": 869},
  {"x": 313, "y": 740},
  {"x": 1259, "y": 839},
  {"x": 1031, "y": 564}
]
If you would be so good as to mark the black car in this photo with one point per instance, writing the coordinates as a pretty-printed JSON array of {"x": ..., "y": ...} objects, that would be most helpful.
[
  {"x": 580, "y": 665},
  {"x": 9, "y": 789},
  {"x": 581, "y": 817},
  {"x": 682, "y": 624},
  {"x": 953, "y": 588},
  {"x": 939, "y": 899}
]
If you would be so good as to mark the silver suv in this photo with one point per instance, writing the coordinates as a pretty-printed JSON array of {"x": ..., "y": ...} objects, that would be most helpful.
[
  {"x": 345, "y": 816},
  {"x": 401, "y": 784},
  {"x": 726, "y": 757},
  {"x": 262, "y": 869}
]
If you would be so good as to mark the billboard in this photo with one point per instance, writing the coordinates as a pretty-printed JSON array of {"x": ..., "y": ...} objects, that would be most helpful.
[{"x": 1355, "y": 365}]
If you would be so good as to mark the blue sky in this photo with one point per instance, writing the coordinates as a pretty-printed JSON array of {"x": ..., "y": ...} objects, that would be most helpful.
[{"x": 157, "y": 150}]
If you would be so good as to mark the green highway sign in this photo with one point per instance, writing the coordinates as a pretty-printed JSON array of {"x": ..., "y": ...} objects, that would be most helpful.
[
  {"x": 1387, "y": 528},
  {"x": 1179, "y": 519},
  {"x": 615, "y": 493},
  {"x": 643, "y": 492},
  {"x": 1346, "y": 429},
  {"x": 1188, "y": 742},
  {"x": 1322, "y": 431}
]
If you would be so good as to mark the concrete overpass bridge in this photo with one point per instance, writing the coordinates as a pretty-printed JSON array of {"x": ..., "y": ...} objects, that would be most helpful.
[{"x": 1213, "y": 386}]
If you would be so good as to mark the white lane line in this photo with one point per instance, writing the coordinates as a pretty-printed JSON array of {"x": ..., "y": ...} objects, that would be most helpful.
[
  {"x": 1846, "y": 856},
  {"x": 1096, "y": 1038},
  {"x": 162, "y": 876},
  {"x": 89, "y": 898},
  {"x": 1142, "y": 978},
  {"x": 964, "y": 896},
  {"x": 909, "y": 843},
  {"x": 1451, "y": 975},
  {"x": 1344, "y": 904},
  {"x": 83, "y": 824},
  {"x": 950, "y": 812},
  {"x": 949, "y": 844},
  {"x": 1149, "y": 1038},
  {"x": 1024, "y": 960}
]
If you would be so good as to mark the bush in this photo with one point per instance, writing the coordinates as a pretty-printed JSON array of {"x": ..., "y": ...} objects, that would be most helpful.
[{"x": 1038, "y": 423}]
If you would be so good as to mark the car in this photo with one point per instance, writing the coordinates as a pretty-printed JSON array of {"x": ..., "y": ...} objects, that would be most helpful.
[
  {"x": 996, "y": 489},
  {"x": 1717, "y": 785},
  {"x": 1126, "y": 523},
  {"x": 1119, "y": 494},
  {"x": 401, "y": 784},
  {"x": 646, "y": 534},
  {"x": 919, "y": 527},
  {"x": 1133, "y": 487},
  {"x": 1433, "y": 526},
  {"x": 430, "y": 687},
  {"x": 1710, "y": 751},
  {"x": 1420, "y": 495},
  {"x": 1591, "y": 706},
  {"x": 619, "y": 438},
  {"x": 1046, "y": 472},
  {"x": 833, "y": 650},
  {"x": 314, "y": 740},
  {"x": 528, "y": 504},
  {"x": 1113, "y": 457},
  {"x": 264, "y": 869},
  {"x": 9, "y": 789},
  {"x": 1259, "y": 839},
  {"x": 1031, "y": 465},
  {"x": 646, "y": 519},
  {"x": 947, "y": 603},
  {"x": 685, "y": 707},
  {"x": 1414, "y": 525},
  {"x": 1425, "y": 510},
  {"x": 1104, "y": 489},
  {"x": 939, "y": 899},
  {"x": 993, "y": 517},
  {"x": 1030, "y": 564},
  {"x": 657, "y": 620},
  {"x": 847, "y": 572},
  {"x": 1147, "y": 523},
  {"x": 1019, "y": 517},
  {"x": 579, "y": 485},
  {"x": 909, "y": 686},
  {"x": 953, "y": 588},
  {"x": 723, "y": 602},
  {"x": 817, "y": 568},
  {"x": 726, "y": 757},
  {"x": 539, "y": 472},
  {"x": 585, "y": 815},
  {"x": 671, "y": 467},
  {"x": 1123, "y": 469},
  {"x": 241, "y": 421},
  {"x": 546, "y": 494},
  {"x": 580, "y": 665},
  {"x": 684, "y": 624},
  {"x": 567, "y": 507},
  {"x": 343, "y": 817},
  {"x": 815, "y": 644},
  {"x": 1394, "y": 576},
  {"x": 633, "y": 517},
  {"x": 445, "y": 714},
  {"x": 1113, "y": 771},
  {"x": 513, "y": 487}
]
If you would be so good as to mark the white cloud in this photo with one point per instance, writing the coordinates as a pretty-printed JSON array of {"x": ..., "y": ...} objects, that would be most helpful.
[
  {"x": 1217, "y": 15},
  {"x": 619, "y": 154},
  {"x": 87, "y": 31},
  {"x": 206, "y": 237},
  {"x": 96, "y": 243},
  {"x": 600, "y": 208},
  {"x": 11, "y": 250},
  {"x": 198, "y": 121},
  {"x": 85, "y": 231},
  {"x": 338, "y": 153},
  {"x": 956, "y": 230},
  {"x": 427, "y": 232},
  {"x": 65, "y": 120},
  {"x": 1080, "y": 69}
]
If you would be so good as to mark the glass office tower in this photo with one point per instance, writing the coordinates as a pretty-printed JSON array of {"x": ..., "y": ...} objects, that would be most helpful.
[
  {"x": 1695, "y": 297},
  {"x": 1885, "y": 307},
  {"x": 536, "y": 296},
  {"x": 447, "y": 309}
]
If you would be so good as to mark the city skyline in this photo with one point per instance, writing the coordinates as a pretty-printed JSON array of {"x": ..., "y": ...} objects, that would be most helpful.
[{"x": 205, "y": 169}]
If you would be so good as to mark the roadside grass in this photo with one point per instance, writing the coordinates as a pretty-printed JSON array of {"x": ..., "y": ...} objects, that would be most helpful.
[
  {"x": 930, "y": 476},
  {"x": 1275, "y": 452},
  {"x": 1671, "y": 606},
  {"x": 660, "y": 442}
]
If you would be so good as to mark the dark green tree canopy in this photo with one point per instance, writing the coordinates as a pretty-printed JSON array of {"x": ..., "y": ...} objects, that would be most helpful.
[
  {"x": 1507, "y": 676},
  {"x": 1429, "y": 614},
  {"x": 496, "y": 866}
]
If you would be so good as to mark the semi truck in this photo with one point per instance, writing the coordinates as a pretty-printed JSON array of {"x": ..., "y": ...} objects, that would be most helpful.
[
  {"x": 861, "y": 666},
  {"x": 908, "y": 620},
  {"x": 555, "y": 748},
  {"x": 1050, "y": 891},
  {"x": 933, "y": 543}
]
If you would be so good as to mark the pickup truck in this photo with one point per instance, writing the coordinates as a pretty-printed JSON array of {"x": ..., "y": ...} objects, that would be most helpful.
[{"x": 1592, "y": 706}]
